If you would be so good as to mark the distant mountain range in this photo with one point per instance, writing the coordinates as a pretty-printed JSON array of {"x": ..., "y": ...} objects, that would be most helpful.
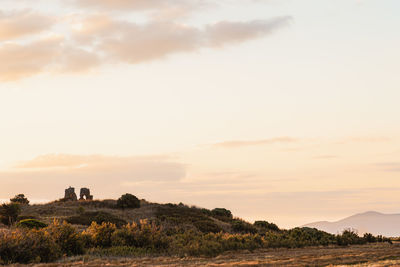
[{"x": 369, "y": 222}]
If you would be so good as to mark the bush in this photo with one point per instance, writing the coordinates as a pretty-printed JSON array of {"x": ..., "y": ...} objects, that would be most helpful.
[
  {"x": 240, "y": 226},
  {"x": 67, "y": 238},
  {"x": 143, "y": 235},
  {"x": 9, "y": 213},
  {"x": 349, "y": 237},
  {"x": 221, "y": 212},
  {"x": 31, "y": 223},
  {"x": 265, "y": 226},
  {"x": 177, "y": 218},
  {"x": 27, "y": 246},
  {"x": 24, "y": 217},
  {"x": 100, "y": 235},
  {"x": 21, "y": 199},
  {"x": 128, "y": 201},
  {"x": 99, "y": 217}
]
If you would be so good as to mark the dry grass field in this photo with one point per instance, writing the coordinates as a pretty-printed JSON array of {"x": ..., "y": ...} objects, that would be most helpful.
[{"x": 365, "y": 255}]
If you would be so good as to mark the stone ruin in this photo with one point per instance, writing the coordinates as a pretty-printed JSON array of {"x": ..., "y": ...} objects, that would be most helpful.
[
  {"x": 85, "y": 194},
  {"x": 71, "y": 196}
]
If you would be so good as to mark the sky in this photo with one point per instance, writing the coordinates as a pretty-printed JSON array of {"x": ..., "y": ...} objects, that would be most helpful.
[{"x": 279, "y": 110}]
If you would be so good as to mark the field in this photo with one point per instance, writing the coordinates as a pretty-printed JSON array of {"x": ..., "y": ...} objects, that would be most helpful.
[{"x": 365, "y": 255}]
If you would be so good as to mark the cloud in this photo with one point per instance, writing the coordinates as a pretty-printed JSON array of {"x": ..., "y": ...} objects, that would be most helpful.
[
  {"x": 137, "y": 168},
  {"x": 241, "y": 143},
  {"x": 325, "y": 157},
  {"x": 99, "y": 40},
  {"x": 389, "y": 166},
  {"x": 23, "y": 60},
  {"x": 18, "y": 61},
  {"x": 226, "y": 32},
  {"x": 91, "y": 36},
  {"x": 22, "y": 23},
  {"x": 139, "y": 5},
  {"x": 365, "y": 139},
  {"x": 134, "y": 43}
]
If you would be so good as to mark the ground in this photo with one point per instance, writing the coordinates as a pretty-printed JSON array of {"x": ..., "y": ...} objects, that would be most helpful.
[{"x": 366, "y": 255}]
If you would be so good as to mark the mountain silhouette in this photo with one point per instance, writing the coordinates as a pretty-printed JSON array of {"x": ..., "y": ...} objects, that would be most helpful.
[{"x": 368, "y": 222}]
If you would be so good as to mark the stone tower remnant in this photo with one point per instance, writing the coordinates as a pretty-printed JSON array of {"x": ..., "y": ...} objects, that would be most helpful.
[
  {"x": 70, "y": 194},
  {"x": 85, "y": 194}
]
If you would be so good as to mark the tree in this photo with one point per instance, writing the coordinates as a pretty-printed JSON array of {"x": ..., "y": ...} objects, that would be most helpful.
[
  {"x": 9, "y": 212},
  {"x": 266, "y": 226},
  {"x": 128, "y": 201},
  {"x": 221, "y": 212},
  {"x": 20, "y": 198}
]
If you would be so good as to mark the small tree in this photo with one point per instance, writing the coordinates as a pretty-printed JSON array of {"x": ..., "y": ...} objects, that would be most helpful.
[
  {"x": 267, "y": 226},
  {"x": 221, "y": 212},
  {"x": 20, "y": 198},
  {"x": 9, "y": 213},
  {"x": 128, "y": 201}
]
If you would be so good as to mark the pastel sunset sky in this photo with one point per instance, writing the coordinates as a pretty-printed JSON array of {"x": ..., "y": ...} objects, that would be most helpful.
[{"x": 283, "y": 110}]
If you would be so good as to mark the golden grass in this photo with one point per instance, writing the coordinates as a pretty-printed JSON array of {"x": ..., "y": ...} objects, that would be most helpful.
[{"x": 378, "y": 255}]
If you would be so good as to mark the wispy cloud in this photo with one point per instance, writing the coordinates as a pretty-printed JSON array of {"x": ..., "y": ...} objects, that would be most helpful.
[
  {"x": 82, "y": 41},
  {"x": 325, "y": 157},
  {"x": 21, "y": 23},
  {"x": 243, "y": 143},
  {"x": 389, "y": 166}
]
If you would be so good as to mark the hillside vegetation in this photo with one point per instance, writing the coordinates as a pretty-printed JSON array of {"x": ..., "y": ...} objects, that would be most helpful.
[{"x": 129, "y": 227}]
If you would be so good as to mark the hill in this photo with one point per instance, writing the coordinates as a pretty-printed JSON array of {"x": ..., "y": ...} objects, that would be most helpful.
[
  {"x": 115, "y": 228},
  {"x": 369, "y": 222}
]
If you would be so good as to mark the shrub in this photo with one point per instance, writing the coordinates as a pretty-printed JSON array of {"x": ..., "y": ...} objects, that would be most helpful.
[
  {"x": 21, "y": 199},
  {"x": 240, "y": 226},
  {"x": 128, "y": 201},
  {"x": 26, "y": 246},
  {"x": 100, "y": 235},
  {"x": 266, "y": 226},
  {"x": 176, "y": 218},
  {"x": 9, "y": 213},
  {"x": 369, "y": 238},
  {"x": 221, "y": 212},
  {"x": 143, "y": 235},
  {"x": 24, "y": 217},
  {"x": 349, "y": 237},
  {"x": 207, "y": 226},
  {"x": 99, "y": 217},
  {"x": 31, "y": 223},
  {"x": 66, "y": 237}
]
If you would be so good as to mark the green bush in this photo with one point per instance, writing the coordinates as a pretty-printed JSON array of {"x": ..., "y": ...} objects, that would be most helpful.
[
  {"x": 349, "y": 237},
  {"x": 99, "y": 217},
  {"x": 265, "y": 226},
  {"x": 9, "y": 213},
  {"x": 240, "y": 226},
  {"x": 24, "y": 217},
  {"x": 128, "y": 201},
  {"x": 31, "y": 223},
  {"x": 21, "y": 199},
  {"x": 177, "y": 218},
  {"x": 221, "y": 212}
]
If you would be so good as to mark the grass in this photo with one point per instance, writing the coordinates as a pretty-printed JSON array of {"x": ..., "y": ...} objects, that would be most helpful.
[{"x": 367, "y": 255}]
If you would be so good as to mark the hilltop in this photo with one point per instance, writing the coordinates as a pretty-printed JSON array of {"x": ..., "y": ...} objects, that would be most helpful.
[{"x": 172, "y": 217}]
